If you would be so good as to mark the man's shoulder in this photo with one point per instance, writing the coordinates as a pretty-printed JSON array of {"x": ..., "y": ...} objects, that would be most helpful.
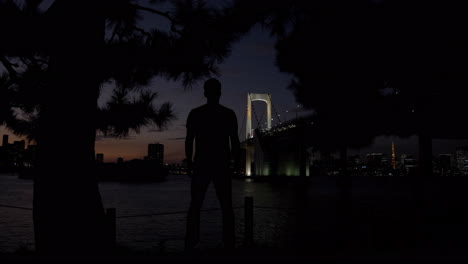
[
  {"x": 196, "y": 110},
  {"x": 206, "y": 108},
  {"x": 227, "y": 110},
  {"x": 228, "y": 113}
]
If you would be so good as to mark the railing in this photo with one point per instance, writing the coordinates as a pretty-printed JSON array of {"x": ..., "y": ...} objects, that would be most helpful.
[
  {"x": 111, "y": 218},
  {"x": 169, "y": 213},
  {"x": 248, "y": 218},
  {"x": 15, "y": 207}
]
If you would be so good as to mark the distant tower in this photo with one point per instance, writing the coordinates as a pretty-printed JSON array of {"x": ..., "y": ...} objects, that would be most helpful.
[
  {"x": 5, "y": 140},
  {"x": 393, "y": 156}
]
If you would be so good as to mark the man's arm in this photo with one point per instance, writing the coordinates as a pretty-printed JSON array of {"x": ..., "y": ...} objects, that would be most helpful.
[{"x": 189, "y": 144}]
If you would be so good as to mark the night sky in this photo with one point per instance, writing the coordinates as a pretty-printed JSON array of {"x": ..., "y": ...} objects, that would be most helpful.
[{"x": 250, "y": 68}]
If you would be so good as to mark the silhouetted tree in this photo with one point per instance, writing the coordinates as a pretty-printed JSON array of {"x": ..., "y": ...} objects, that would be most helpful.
[
  {"x": 370, "y": 68},
  {"x": 376, "y": 67},
  {"x": 425, "y": 57},
  {"x": 331, "y": 48},
  {"x": 56, "y": 62}
]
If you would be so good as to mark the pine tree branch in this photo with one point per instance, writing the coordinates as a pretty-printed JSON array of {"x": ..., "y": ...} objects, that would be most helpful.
[
  {"x": 142, "y": 31},
  {"x": 155, "y": 11},
  {"x": 161, "y": 13},
  {"x": 36, "y": 60},
  {"x": 9, "y": 67},
  {"x": 113, "y": 35}
]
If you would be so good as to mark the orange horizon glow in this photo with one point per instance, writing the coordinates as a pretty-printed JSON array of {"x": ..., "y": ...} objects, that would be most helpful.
[{"x": 127, "y": 149}]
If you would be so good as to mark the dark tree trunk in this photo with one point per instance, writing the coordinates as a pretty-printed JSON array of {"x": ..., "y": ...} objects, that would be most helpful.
[
  {"x": 344, "y": 180},
  {"x": 303, "y": 220},
  {"x": 303, "y": 155},
  {"x": 425, "y": 154},
  {"x": 344, "y": 203},
  {"x": 68, "y": 212}
]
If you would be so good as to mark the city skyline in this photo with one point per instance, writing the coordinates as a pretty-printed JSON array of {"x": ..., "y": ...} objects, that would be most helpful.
[
  {"x": 133, "y": 148},
  {"x": 380, "y": 148}
]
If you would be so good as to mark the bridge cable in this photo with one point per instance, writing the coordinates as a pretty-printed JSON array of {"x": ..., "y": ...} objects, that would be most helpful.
[
  {"x": 260, "y": 120},
  {"x": 256, "y": 117},
  {"x": 274, "y": 109},
  {"x": 243, "y": 122}
]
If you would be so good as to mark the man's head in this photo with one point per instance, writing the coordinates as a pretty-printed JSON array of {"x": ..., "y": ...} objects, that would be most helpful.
[{"x": 212, "y": 89}]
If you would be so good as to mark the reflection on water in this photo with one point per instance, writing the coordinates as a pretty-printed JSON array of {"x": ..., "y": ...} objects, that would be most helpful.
[
  {"x": 311, "y": 206},
  {"x": 165, "y": 232},
  {"x": 382, "y": 217},
  {"x": 16, "y": 227}
]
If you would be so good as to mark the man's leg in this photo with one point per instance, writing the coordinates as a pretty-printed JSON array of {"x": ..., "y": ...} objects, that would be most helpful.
[
  {"x": 199, "y": 185},
  {"x": 223, "y": 187}
]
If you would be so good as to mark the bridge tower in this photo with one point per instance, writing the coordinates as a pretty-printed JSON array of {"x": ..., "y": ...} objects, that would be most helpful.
[
  {"x": 257, "y": 97},
  {"x": 250, "y": 150}
]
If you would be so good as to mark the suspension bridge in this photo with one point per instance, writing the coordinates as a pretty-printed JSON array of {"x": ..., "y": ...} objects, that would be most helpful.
[{"x": 279, "y": 150}]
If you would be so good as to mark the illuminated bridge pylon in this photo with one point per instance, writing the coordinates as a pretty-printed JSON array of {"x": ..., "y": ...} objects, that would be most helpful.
[
  {"x": 248, "y": 127},
  {"x": 256, "y": 97}
]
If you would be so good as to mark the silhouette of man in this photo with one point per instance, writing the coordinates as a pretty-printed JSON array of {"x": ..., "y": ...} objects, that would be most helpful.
[{"x": 213, "y": 127}]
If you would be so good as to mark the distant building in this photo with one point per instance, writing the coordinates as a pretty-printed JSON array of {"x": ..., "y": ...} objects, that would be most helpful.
[
  {"x": 323, "y": 163},
  {"x": 5, "y": 141},
  {"x": 99, "y": 158},
  {"x": 16, "y": 155},
  {"x": 402, "y": 159},
  {"x": 374, "y": 160},
  {"x": 462, "y": 159},
  {"x": 19, "y": 145},
  {"x": 5, "y": 153},
  {"x": 354, "y": 161},
  {"x": 156, "y": 153},
  {"x": 445, "y": 163},
  {"x": 30, "y": 156},
  {"x": 385, "y": 161},
  {"x": 2, "y": 156},
  {"x": 120, "y": 160},
  {"x": 17, "y": 150},
  {"x": 410, "y": 165}
]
